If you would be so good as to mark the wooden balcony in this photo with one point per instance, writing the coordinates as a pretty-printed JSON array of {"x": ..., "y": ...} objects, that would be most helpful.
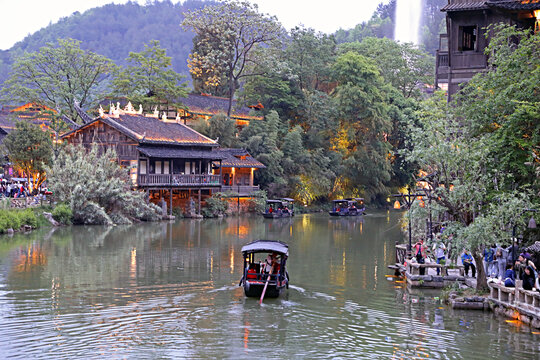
[{"x": 179, "y": 180}]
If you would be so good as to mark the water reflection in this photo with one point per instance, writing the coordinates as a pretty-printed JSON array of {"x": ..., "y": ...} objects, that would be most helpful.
[{"x": 170, "y": 290}]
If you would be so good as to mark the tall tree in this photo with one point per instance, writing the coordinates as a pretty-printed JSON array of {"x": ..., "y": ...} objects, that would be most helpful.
[
  {"x": 364, "y": 124},
  {"x": 30, "y": 150},
  {"x": 228, "y": 37},
  {"x": 149, "y": 77},
  {"x": 58, "y": 76}
]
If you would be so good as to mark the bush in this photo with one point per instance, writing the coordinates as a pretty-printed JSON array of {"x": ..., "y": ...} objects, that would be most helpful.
[
  {"x": 14, "y": 219},
  {"x": 63, "y": 214},
  {"x": 215, "y": 206}
]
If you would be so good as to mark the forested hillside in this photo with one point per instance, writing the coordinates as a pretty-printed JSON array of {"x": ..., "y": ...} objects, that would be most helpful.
[{"x": 115, "y": 30}]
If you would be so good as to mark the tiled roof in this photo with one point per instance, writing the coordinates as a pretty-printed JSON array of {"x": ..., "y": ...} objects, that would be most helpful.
[
  {"x": 6, "y": 121},
  {"x": 151, "y": 130},
  {"x": 211, "y": 105},
  {"x": 176, "y": 153},
  {"x": 232, "y": 159},
  {"x": 515, "y": 4},
  {"x": 462, "y": 5}
]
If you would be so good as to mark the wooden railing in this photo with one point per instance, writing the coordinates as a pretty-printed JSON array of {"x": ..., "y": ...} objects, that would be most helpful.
[
  {"x": 442, "y": 58},
  {"x": 242, "y": 189},
  {"x": 179, "y": 180}
]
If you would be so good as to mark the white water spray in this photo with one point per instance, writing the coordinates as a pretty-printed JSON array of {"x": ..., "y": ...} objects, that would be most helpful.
[{"x": 408, "y": 14}]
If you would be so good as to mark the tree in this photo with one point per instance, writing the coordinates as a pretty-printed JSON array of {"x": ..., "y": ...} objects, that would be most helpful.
[
  {"x": 58, "y": 76},
  {"x": 464, "y": 180},
  {"x": 30, "y": 150},
  {"x": 364, "y": 124},
  {"x": 402, "y": 65},
  {"x": 149, "y": 78},
  {"x": 222, "y": 128},
  {"x": 228, "y": 37},
  {"x": 97, "y": 188}
]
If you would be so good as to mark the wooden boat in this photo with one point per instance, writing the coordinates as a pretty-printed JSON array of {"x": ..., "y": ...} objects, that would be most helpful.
[
  {"x": 255, "y": 279},
  {"x": 279, "y": 208},
  {"x": 348, "y": 207}
]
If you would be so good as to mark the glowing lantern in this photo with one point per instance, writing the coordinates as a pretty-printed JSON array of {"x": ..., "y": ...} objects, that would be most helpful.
[
  {"x": 422, "y": 204},
  {"x": 419, "y": 198},
  {"x": 397, "y": 205}
]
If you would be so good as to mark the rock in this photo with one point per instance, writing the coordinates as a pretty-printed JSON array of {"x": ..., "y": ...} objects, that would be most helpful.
[
  {"x": 535, "y": 323},
  {"x": 10, "y": 231},
  {"x": 49, "y": 217},
  {"x": 467, "y": 305},
  {"x": 27, "y": 228},
  {"x": 437, "y": 278}
]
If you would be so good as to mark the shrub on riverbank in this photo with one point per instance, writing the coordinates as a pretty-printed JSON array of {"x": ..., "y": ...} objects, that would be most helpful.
[
  {"x": 215, "y": 206},
  {"x": 15, "y": 219},
  {"x": 63, "y": 214},
  {"x": 97, "y": 188}
]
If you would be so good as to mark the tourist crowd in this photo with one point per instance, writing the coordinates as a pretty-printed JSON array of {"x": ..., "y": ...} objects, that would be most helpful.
[{"x": 13, "y": 189}]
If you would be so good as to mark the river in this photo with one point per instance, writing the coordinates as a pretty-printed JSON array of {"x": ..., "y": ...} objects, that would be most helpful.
[{"x": 170, "y": 290}]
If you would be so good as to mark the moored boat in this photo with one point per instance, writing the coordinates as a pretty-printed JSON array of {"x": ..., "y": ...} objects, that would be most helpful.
[
  {"x": 348, "y": 207},
  {"x": 266, "y": 275},
  {"x": 279, "y": 208}
]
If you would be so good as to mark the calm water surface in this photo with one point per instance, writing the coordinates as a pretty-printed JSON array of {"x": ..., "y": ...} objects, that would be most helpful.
[{"x": 169, "y": 290}]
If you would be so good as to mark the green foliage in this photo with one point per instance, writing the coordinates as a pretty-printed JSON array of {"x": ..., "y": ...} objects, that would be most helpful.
[
  {"x": 402, "y": 65},
  {"x": 149, "y": 78},
  {"x": 97, "y": 188},
  {"x": 59, "y": 76},
  {"x": 63, "y": 214},
  {"x": 222, "y": 128},
  {"x": 228, "y": 37},
  {"x": 15, "y": 219},
  {"x": 30, "y": 149},
  {"x": 215, "y": 205}
]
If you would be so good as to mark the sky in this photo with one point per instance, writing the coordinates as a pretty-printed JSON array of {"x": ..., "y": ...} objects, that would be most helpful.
[{"x": 19, "y": 18}]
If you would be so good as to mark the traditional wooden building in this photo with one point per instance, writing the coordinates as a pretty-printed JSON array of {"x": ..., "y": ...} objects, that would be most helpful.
[
  {"x": 237, "y": 170},
  {"x": 461, "y": 49},
  {"x": 166, "y": 158}
]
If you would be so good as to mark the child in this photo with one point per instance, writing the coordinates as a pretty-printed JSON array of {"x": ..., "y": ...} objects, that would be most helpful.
[{"x": 509, "y": 276}]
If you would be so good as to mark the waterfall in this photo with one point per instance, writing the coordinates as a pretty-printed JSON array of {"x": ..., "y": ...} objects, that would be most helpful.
[{"x": 408, "y": 16}]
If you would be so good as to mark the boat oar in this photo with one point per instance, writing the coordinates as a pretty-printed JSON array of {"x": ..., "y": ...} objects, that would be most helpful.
[{"x": 266, "y": 284}]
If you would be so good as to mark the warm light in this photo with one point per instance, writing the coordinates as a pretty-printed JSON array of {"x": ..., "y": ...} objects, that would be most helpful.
[
  {"x": 397, "y": 205},
  {"x": 419, "y": 198},
  {"x": 451, "y": 187},
  {"x": 422, "y": 204}
]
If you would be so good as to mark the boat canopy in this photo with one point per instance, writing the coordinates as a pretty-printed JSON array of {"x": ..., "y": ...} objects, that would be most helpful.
[
  {"x": 266, "y": 246},
  {"x": 288, "y": 199}
]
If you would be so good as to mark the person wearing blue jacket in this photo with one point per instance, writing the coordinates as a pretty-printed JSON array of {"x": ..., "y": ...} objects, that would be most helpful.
[
  {"x": 509, "y": 276},
  {"x": 467, "y": 261}
]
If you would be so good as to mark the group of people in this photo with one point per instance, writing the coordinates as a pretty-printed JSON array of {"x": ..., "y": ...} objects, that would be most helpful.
[
  {"x": 501, "y": 263},
  {"x": 279, "y": 211},
  {"x": 13, "y": 189}
]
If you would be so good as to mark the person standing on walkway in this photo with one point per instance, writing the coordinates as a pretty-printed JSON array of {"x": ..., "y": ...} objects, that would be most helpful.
[
  {"x": 440, "y": 255},
  {"x": 488, "y": 260},
  {"x": 467, "y": 261},
  {"x": 502, "y": 259}
]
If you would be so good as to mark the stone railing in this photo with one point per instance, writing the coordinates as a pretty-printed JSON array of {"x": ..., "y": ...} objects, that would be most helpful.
[{"x": 516, "y": 297}]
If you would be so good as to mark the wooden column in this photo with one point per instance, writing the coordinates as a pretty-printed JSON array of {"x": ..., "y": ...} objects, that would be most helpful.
[
  {"x": 199, "y": 210},
  {"x": 170, "y": 200}
]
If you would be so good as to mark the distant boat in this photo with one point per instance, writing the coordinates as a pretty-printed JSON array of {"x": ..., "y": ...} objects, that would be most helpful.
[
  {"x": 279, "y": 208},
  {"x": 348, "y": 207},
  {"x": 257, "y": 282}
]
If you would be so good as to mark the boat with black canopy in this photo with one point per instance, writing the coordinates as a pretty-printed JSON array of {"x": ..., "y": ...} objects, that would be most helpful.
[
  {"x": 348, "y": 207},
  {"x": 279, "y": 208},
  {"x": 265, "y": 273}
]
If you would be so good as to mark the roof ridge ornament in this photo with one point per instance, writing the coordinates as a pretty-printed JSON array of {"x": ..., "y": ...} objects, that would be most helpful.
[{"x": 101, "y": 111}]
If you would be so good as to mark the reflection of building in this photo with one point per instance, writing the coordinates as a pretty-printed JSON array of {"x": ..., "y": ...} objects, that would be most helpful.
[{"x": 461, "y": 50}]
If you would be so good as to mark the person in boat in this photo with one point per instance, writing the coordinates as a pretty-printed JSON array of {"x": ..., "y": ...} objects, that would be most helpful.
[
  {"x": 268, "y": 264},
  {"x": 286, "y": 210},
  {"x": 270, "y": 209}
]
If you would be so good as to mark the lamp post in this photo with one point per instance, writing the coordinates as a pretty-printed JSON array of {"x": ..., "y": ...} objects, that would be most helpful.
[
  {"x": 408, "y": 199},
  {"x": 530, "y": 225}
]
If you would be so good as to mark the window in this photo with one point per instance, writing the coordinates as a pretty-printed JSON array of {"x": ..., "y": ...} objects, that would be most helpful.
[
  {"x": 165, "y": 167},
  {"x": 142, "y": 168},
  {"x": 467, "y": 38},
  {"x": 158, "y": 167}
]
